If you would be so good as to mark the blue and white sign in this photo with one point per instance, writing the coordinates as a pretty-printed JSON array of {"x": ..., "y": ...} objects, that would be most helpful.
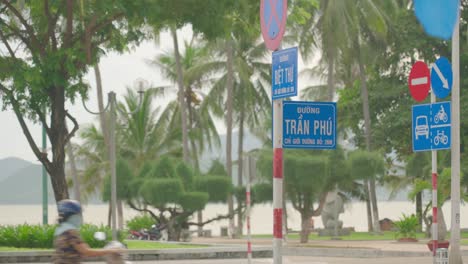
[
  {"x": 431, "y": 126},
  {"x": 441, "y": 125},
  {"x": 421, "y": 127},
  {"x": 310, "y": 125},
  {"x": 441, "y": 77},
  {"x": 284, "y": 73}
]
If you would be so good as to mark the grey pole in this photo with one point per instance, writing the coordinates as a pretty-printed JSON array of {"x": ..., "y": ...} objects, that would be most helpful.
[
  {"x": 112, "y": 161},
  {"x": 45, "y": 202},
  {"x": 112, "y": 106},
  {"x": 455, "y": 255}
]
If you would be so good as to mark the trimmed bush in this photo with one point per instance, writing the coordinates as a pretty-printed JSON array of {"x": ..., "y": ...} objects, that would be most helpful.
[
  {"x": 39, "y": 236},
  {"x": 27, "y": 236},
  {"x": 140, "y": 222}
]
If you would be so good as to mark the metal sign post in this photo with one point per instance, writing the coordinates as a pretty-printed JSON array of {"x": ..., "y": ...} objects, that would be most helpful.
[
  {"x": 455, "y": 255},
  {"x": 435, "y": 230},
  {"x": 277, "y": 181},
  {"x": 273, "y": 14}
]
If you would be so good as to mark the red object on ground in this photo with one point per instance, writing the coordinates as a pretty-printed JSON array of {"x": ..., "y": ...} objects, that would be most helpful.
[
  {"x": 419, "y": 81},
  {"x": 440, "y": 244}
]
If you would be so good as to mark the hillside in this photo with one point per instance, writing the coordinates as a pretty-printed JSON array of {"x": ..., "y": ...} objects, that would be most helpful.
[
  {"x": 11, "y": 165},
  {"x": 24, "y": 186},
  {"x": 21, "y": 181}
]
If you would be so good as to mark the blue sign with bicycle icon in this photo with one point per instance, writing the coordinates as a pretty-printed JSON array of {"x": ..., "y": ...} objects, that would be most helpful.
[{"x": 431, "y": 126}]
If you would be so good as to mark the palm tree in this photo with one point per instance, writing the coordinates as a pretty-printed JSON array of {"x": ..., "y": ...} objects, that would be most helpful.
[
  {"x": 251, "y": 102},
  {"x": 356, "y": 28},
  {"x": 201, "y": 127},
  {"x": 144, "y": 134},
  {"x": 202, "y": 130}
]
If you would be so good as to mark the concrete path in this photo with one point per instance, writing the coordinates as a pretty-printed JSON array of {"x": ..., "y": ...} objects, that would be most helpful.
[{"x": 298, "y": 260}]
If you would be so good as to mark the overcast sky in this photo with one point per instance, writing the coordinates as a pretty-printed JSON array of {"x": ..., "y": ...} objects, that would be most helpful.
[{"x": 118, "y": 71}]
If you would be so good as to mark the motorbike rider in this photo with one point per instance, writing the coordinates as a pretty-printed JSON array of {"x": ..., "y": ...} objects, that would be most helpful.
[{"x": 69, "y": 247}]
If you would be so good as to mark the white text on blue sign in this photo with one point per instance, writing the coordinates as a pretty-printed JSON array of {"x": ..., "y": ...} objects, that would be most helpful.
[
  {"x": 309, "y": 125},
  {"x": 284, "y": 73}
]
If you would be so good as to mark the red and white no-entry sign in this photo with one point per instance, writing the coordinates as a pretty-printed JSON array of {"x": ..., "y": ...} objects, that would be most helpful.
[{"x": 419, "y": 81}]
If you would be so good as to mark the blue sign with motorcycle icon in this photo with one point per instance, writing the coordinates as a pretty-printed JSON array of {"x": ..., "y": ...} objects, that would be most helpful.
[
  {"x": 441, "y": 125},
  {"x": 431, "y": 126}
]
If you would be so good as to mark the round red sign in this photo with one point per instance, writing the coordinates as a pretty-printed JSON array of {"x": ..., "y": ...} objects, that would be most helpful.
[
  {"x": 273, "y": 15},
  {"x": 419, "y": 81}
]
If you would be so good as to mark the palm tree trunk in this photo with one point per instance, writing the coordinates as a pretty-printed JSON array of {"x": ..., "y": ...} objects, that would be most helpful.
[
  {"x": 370, "y": 226},
  {"x": 367, "y": 132},
  {"x": 74, "y": 173},
  {"x": 331, "y": 74},
  {"x": 229, "y": 106},
  {"x": 441, "y": 225},
  {"x": 120, "y": 214},
  {"x": 181, "y": 96},
  {"x": 103, "y": 118},
  {"x": 240, "y": 162},
  {"x": 419, "y": 210}
]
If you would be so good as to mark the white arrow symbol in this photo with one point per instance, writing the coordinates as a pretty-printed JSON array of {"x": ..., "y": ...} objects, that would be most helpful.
[{"x": 441, "y": 76}]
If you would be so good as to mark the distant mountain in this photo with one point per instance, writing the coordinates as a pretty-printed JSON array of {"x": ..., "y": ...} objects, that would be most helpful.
[
  {"x": 24, "y": 186},
  {"x": 21, "y": 181},
  {"x": 11, "y": 165}
]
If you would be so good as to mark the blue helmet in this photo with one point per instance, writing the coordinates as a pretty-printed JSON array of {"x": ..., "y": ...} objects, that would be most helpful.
[{"x": 67, "y": 208}]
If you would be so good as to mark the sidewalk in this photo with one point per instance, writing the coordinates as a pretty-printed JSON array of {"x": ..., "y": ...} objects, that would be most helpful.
[
  {"x": 336, "y": 248},
  {"x": 224, "y": 248}
]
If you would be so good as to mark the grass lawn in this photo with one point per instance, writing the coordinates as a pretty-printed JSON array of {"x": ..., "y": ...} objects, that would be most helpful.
[
  {"x": 2, "y": 249},
  {"x": 387, "y": 235},
  {"x": 142, "y": 244},
  {"x": 132, "y": 244}
]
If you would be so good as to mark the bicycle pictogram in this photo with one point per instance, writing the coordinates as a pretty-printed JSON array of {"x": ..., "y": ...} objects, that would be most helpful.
[{"x": 440, "y": 138}]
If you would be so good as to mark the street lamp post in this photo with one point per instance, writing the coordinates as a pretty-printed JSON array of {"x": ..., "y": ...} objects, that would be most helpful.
[
  {"x": 112, "y": 107},
  {"x": 45, "y": 202}
]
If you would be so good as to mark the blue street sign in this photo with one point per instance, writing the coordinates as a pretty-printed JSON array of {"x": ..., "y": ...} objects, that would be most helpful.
[
  {"x": 441, "y": 125},
  {"x": 421, "y": 127},
  {"x": 309, "y": 125},
  {"x": 284, "y": 73},
  {"x": 441, "y": 77},
  {"x": 431, "y": 126},
  {"x": 438, "y": 17}
]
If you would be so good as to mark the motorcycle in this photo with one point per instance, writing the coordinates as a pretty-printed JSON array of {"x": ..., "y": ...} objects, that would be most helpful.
[
  {"x": 158, "y": 232},
  {"x": 140, "y": 235},
  {"x": 115, "y": 258}
]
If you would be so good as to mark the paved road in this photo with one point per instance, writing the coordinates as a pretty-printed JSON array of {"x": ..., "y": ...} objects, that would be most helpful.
[{"x": 299, "y": 260}]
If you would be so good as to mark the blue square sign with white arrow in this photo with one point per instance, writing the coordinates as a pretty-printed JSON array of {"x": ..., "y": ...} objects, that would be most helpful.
[
  {"x": 441, "y": 77},
  {"x": 431, "y": 126}
]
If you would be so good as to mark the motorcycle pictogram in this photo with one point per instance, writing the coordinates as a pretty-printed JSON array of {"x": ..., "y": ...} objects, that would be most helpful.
[{"x": 441, "y": 115}]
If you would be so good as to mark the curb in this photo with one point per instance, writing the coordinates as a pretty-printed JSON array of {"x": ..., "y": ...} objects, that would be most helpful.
[
  {"x": 140, "y": 255},
  {"x": 231, "y": 252}
]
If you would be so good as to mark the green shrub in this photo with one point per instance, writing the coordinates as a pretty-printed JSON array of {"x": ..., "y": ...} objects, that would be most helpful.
[
  {"x": 40, "y": 236},
  {"x": 407, "y": 226},
  {"x": 27, "y": 236},
  {"x": 140, "y": 222}
]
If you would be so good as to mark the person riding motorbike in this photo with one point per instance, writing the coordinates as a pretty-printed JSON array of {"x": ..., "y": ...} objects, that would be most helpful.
[{"x": 69, "y": 247}]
